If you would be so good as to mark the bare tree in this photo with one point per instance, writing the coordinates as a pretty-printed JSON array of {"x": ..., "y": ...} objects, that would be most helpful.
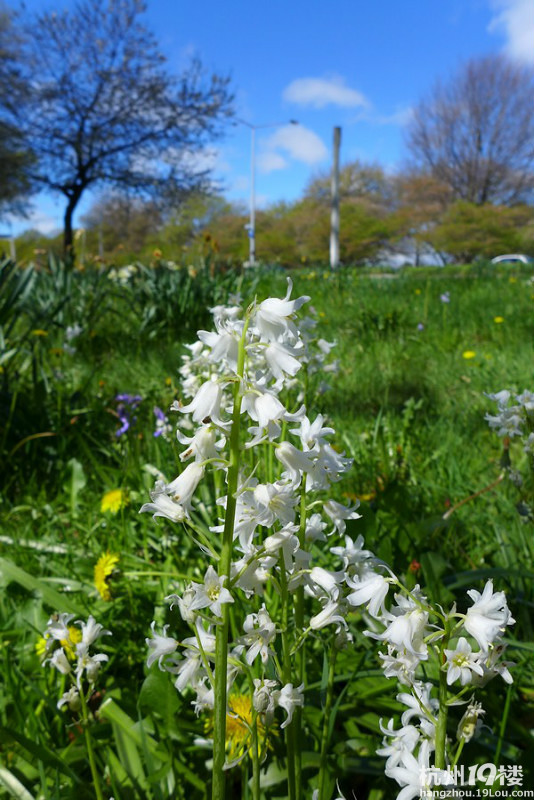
[
  {"x": 104, "y": 110},
  {"x": 15, "y": 160},
  {"x": 359, "y": 183},
  {"x": 475, "y": 133}
]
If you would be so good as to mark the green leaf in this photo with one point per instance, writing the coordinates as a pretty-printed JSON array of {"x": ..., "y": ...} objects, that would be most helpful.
[
  {"x": 158, "y": 695},
  {"x": 272, "y": 776},
  {"x": 39, "y": 751},
  {"x": 460, "y": 579},
  {"x": 120, "y": 721},
  {"x": 434, "y": 566},
  {"x": 59, "y": 602},
  {"x": 124, "y": 728}
]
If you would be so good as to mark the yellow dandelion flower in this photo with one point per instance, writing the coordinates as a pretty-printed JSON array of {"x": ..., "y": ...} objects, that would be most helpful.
[
  {"x": 39, "y": 332},
  {"x": 41, "y": 646},
  {"x": 239, "y": 727},
  {"x": 468, "y": 354},
  {"x": 168, "y": 381},
  {"x": 69, "y": 645},
  {"x": 366, "y": 497},
  {"x": 113, "y": 501},
  {"x": 103, "y": 570},
  {"x": 498, "y": 320}
]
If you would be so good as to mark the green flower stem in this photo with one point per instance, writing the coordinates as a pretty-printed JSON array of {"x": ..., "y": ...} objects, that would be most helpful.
[
  {"x": 458, "y": 752},
  {"x": 254, "y": 749},
  {"x": 502, "y": 728},
  {"x": 89, "y": 746},
  {"x": 255, "y": 758},
  {"x": 244, "y": 780},
  {"x": 205, "y": 659},
  {"x": 286, "y": 677},
  {"x": 441, "y": 725},
  {"x": 325, "y": 736},
  {"x": 301, "y": 657},
  {"x": 221, "y": 637}
]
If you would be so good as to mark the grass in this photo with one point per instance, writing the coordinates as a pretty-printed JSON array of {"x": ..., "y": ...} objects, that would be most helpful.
[{"x": 407, "y": 404}]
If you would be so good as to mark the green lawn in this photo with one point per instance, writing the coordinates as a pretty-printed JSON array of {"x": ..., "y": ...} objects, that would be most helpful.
[{"x": 417, "y": 351}]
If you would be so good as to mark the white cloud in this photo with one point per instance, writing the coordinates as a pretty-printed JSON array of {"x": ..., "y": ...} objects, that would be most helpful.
[
  {"x": 37, "y": 220},
  {"x": 270, "y": 161},
  {"x": 294, "y": 142},
  {"x": 321, "y": 92},
  {"x": 515, "y": 19},
  {"x": 400, "y": 117},
  {"x": 240, "y": 183},
  {"x": 208, "y": 159}
]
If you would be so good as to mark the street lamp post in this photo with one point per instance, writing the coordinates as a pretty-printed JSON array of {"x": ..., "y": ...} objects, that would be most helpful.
[
  {"x": 252, "y": 217},
  {"x": 252, "y": 221}
]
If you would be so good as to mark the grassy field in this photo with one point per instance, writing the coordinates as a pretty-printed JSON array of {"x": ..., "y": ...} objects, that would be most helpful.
[{"x": 417, "y": 353}]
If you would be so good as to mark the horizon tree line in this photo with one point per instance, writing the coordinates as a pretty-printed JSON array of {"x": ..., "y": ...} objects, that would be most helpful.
[{"x": 109, "y": 116}]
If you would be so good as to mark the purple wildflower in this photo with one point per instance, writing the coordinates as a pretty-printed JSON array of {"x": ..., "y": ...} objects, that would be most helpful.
[
  {"x": 132, "y": 400},
  {"x": 126, "y": 404},
  {"x": 420, "y": 327},
  {"x": 163, "y": 427},
  {"x": 445, "y": 297}
]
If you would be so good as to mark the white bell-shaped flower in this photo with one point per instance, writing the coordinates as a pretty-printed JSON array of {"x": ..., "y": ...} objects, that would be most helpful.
[
  {"x": 487, "y": 618},
  {"x": 289, "y": 698}
]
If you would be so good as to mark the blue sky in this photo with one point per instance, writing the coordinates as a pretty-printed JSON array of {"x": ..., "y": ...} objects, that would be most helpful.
[{"x": 356, "y": 64}]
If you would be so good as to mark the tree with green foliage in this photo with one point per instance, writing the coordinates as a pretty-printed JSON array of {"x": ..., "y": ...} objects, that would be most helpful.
[
  {"x": 420, "y": 203},
  {"x": 198, "y": 214},
  {"x": 104, "y": 111},
  {"x": 468, "y": 231},
  {"x": 122, "y": 223},
  {"x": 367, "y": 200}
]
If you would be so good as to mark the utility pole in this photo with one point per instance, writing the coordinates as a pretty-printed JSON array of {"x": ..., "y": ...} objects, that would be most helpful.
[{"x": 334, "y": 214}]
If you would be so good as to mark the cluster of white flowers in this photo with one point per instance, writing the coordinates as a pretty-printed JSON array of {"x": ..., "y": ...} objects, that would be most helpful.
[
  {"x": 122, "y": 275},
  {"x": 71, "y": 332},
  {"x": 516, "y": 419},
  {"x": 414, "y": 631},
  {"x": 273, "y": 533},
  {"x": 282, "y": 520},
  {"x": 67, "y": 648}
]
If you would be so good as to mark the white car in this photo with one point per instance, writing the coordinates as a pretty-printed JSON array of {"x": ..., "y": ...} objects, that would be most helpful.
[{"x": 513, "y": 258}]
